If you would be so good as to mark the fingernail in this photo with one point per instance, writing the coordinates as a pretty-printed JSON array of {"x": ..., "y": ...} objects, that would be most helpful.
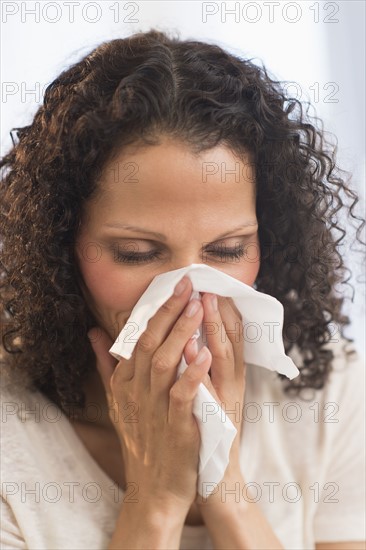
[
  {"x": 192, "y": 308},
  {"x": 194, "y": 345},
  {"x": 214, "y": 302},
  {"x": 179, "y": 288},
  {"x": 201, "y": 356}
]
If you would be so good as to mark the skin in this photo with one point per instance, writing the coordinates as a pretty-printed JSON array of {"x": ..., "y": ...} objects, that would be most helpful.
[
  {"x": 191, "y": 211},
  {"x": 171, "y": 197}
]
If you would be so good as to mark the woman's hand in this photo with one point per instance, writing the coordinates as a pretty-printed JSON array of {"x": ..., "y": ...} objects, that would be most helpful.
[
  {"x": 160, "y": 443},
  {"x": 224, "y": 337}
]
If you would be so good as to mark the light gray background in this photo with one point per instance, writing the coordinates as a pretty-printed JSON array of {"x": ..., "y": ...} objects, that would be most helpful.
[{"x": 318, "y": 45}]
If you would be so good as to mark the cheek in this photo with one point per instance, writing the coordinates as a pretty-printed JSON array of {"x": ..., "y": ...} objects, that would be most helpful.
[
  {"x": 247, "y": 270},
  {"x": 251, "y": 274},
  {"x": 246, "y": 275},
  {"x": 112, "y": 287}
]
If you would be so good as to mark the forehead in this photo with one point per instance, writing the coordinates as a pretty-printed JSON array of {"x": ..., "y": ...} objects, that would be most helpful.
[{"x": 171, "y": 177}]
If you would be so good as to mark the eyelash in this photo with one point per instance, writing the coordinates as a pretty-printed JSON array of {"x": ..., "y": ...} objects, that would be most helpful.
[{"x": 133, "y": 258}]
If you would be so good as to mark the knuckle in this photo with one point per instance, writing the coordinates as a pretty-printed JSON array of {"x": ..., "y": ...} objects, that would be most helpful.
[
  {"x": 167, "y": 307},
  {"x": 159, "y": 363},
  {"x": 180, "y": 327},
  {"x": 228, "y": 353},
  {"x": 146, "y": 342},
  {"x": 177, "y": 397}
]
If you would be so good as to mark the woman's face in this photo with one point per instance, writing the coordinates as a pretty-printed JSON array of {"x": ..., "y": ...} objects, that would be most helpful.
[{"x": 176, "y": 206}]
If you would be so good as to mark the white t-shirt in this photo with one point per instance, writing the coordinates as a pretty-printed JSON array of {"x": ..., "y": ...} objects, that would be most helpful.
[{"x": 303, "y": 462}]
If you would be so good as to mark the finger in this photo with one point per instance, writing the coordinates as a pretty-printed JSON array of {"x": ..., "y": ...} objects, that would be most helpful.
[
  {"x": 237, "y": 341},
  {"x": 101, "y": 342},
  {"x": 232, "y": 304},
  {"x": 190, "y": 353},
  {"x": 223, "y": 361},
  {"x": 167, "y": 358},
  {"x": 190, "y": 350},
  {"x": 157, "y": 330},
  {"x": 183, "y": 392}
]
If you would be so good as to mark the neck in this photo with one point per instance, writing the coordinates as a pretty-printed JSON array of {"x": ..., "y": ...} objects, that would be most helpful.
[{"x": 96, "y": 411}]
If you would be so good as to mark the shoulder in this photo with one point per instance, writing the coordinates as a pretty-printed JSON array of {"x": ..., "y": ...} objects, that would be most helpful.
[
  {"x": 25, "y": 422},
  {"x": 17, "y": 400},
  {"x": 347, "y": 376},
  {"x": 17, "y": 404},
  {"x": 334, "y": 416},
  {"x": 341, "y": 400},
  {"x": 315, "y": 415}
]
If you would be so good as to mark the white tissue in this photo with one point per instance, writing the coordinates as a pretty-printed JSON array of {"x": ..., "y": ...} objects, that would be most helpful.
[{"x": 262, "y": 322}]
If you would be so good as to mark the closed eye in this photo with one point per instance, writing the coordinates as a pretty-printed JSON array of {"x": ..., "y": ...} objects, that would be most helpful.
[{"x": 136, "y": 258}]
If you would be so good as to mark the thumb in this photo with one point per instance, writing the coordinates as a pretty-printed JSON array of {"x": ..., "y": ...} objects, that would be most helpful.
[{"x": 105, "y": 362}]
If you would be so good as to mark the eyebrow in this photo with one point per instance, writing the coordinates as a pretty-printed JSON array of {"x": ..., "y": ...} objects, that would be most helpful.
[{"x": 251, "y": 223}]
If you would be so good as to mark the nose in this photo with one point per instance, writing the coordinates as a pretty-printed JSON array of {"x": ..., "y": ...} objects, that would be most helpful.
[
  {"x": 190, "y": 259},
  {"x": 185, "y": 261},
  {"x": 186, "y": 264}
]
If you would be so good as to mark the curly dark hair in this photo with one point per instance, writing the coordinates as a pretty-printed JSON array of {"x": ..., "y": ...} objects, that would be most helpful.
[{"x": 134, "y": 90}]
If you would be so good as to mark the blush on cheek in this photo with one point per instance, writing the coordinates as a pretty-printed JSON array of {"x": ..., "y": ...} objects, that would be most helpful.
[{"x": 112, "y": 289}]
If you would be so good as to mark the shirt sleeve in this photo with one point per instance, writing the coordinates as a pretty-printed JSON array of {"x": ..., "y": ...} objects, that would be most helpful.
[
  {"x": 10, "y": 536},
  {"x": 341, "y": 513}
]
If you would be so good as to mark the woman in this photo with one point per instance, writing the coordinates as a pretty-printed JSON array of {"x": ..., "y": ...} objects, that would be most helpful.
[{"x": 150, "y": 154}]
